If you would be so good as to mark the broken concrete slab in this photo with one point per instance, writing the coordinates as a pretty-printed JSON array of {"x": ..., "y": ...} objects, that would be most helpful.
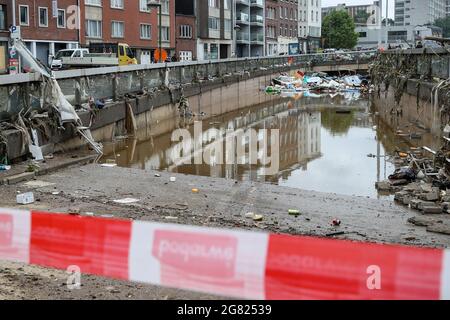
[
  {"x": 383, "y": 185},
  {"x": 432, "y": 209},
  {"x": 430, "y": 196}
]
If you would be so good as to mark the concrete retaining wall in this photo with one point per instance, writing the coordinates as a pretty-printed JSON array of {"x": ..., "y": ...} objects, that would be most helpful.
[{"x": 416, "y": 106}]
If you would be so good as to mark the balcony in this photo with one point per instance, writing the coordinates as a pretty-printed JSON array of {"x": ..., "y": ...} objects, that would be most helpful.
[
  {"x": 257, "y": 20},
  {"x": 257, "y": 38},
  {"x": 242, "y": 18},
  {"x": 257, "y": 3},
  {"x": 242, "y": 37}
]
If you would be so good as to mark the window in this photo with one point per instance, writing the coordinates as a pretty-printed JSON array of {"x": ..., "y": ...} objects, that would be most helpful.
[
  {"x": 165, "y": 6},
  {"x": 165, "y": 32},
  {"x": 2, "y": 17},
  {"x": 43, "y": 17},
  {"x": 117, "y": 29},
  {"x": 143, "y": 6},
  {"x": 117, "y": 4},
  {"x": 186, "y": 31},
  {"x": 185, "y": 55},
  {"x": 93, "y": 2},
  {"x": 61, "y": 18},
  {"x": 214, "y": 3},
  {"x": 24, "y": 14},
  {"x": 146, "y": 31},
  {"x": 227, "y": 25},
  {"x": 214, "y": 23},
  {"x": 93, "y": 29}
]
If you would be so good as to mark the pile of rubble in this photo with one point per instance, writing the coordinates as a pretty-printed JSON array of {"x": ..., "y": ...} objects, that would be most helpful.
[{"x": 423, "y": 182}]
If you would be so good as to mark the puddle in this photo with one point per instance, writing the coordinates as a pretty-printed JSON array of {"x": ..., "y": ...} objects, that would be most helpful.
[{"x": 324, "y": 146}]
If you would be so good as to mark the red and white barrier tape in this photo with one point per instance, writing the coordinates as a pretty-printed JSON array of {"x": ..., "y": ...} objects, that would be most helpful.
[{"x": 223, "y": 262}]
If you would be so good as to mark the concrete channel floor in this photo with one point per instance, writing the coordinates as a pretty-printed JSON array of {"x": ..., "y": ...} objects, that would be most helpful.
[{"x": 220, "y": 203}]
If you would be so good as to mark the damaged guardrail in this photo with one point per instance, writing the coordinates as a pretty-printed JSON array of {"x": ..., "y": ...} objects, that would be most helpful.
[{"x": 24, "y": 90}]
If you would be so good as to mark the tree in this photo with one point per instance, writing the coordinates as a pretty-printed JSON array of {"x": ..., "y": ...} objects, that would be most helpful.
[
  {"x": 338, "y": 31},
  {"x": 444, "y": 23}
]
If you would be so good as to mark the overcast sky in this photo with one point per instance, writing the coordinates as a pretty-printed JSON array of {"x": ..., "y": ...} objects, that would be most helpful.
[{"x": 326, "y": 3}]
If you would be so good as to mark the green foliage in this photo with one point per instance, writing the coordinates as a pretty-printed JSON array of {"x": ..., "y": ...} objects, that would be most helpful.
[
  {"x": 444, "y": 23},
  {"x": 338, "y": 31}
]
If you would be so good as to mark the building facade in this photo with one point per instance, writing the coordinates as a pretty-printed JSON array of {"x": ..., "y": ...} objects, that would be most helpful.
[
  {"x": 354, "y": 10},
  {"x": 419, "y": 12},
  {"x": 131, "y": 22},
  {"x": 403, "y": 36},
  {"x": 249, "y": 25},
  {"x": 47, "y": 26},
  {"x": 186, "y": 30},
  {"x": 5, "y": 22},
  {"x": 281, "y": 24},
  {"x": 214, "y": 29},
  {"x": 310, "y": 25}
]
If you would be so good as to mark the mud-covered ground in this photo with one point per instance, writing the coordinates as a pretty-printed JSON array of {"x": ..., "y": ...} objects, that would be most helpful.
[{"x": 219, "y": 203}]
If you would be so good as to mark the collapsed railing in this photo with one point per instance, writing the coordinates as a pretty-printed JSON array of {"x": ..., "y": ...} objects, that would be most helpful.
[{"x": 53, "y": 104}]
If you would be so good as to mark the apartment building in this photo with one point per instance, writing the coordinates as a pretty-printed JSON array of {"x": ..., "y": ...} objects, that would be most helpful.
[
  {"x": 186, "y": 30},
  {"x": 47, "y": 26},
  {"x": 129, "y": 21},
  {"x": 281, "y": 21},
  {"x": 354, "y": 10},
  {"x": 249, "y": 23},
  {"x": 419, "y": 12},
  {"x": 5, "y": 22},
  {"x": 214, "y": 29},
  {"x": 310, "y": 24}
]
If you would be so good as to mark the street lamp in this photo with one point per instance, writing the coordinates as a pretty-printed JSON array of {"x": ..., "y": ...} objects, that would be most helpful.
[{"x": 155, "y": 3}]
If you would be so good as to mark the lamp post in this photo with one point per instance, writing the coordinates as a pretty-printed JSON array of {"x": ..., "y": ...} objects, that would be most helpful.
[{"x": 155, "y": 3}]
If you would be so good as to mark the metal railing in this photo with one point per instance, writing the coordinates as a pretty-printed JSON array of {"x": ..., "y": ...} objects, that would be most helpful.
[
  {"x": 24, "y": 90},
  {"x": 420, "y": 63}
]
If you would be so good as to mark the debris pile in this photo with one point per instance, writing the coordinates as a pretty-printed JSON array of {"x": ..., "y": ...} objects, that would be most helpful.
[
  {"x": 317, "y": 83},
  {"x": 422, "y": 180}
]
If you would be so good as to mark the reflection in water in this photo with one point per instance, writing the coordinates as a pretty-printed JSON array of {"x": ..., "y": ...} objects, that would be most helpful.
[{"x": 323, "y": 146}]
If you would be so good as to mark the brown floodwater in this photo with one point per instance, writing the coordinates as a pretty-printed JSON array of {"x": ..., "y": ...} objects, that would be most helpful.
[{"x": 332, "y": 144}]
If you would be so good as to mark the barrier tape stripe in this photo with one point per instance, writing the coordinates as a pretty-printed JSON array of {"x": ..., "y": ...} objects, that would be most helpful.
[{"x": 231, "y": 263}]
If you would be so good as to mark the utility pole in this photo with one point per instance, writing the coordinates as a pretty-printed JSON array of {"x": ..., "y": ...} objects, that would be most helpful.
[
  {"x": 13, "y": 12},
  {"x": 386, "y": 19},
  {"x": 153, "y": 3}
]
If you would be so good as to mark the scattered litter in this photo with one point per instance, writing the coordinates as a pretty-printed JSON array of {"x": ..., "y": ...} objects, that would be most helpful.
[
  {"x": 257, "y": 217},
  {"x": 25, "y": 198},
  {"x": 55, "y": 193},
  {"x": 38, "y": 184},
  {"x": 126, "y": 200},
  {"x": 173, "y": 179},
  {"x": 249, "y": 215},
  {"x": 49, "y": 156},
  {"x": 4, "y": 167},
  {"x": 107, "y": 216},
  {"x": 157, "y": 175},
  {"x": 333, "y": 234},
  {"x": 109, "y": 165},
  {"x": 89, "y": 214},
  {"x": 294, "y": 212},
  {"x": 171, "y": 218},
  {"x": 336, "y": 222},
  {"x": 194, "y": 190}
]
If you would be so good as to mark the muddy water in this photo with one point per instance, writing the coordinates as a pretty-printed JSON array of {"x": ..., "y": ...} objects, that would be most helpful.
[{"x": 330, "y": 144}]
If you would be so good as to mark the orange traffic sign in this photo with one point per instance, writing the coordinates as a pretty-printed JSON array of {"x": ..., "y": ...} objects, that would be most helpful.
[{"x": 160, "y": 56}]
